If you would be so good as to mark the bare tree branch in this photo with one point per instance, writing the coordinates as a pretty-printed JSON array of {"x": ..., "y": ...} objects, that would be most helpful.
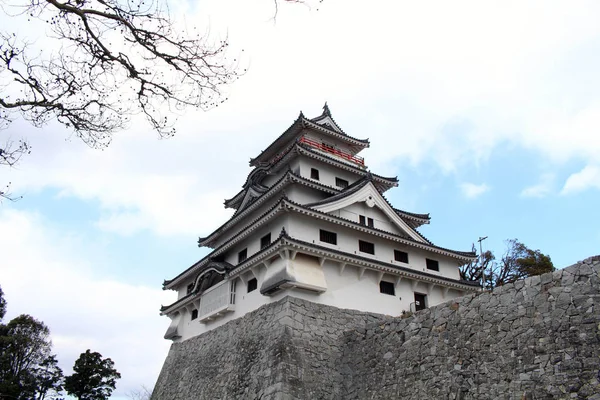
[{"x": 114, "y": 58}]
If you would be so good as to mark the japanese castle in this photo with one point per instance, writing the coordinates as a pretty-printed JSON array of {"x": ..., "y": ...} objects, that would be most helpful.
[{"x": 311, "y": 221}]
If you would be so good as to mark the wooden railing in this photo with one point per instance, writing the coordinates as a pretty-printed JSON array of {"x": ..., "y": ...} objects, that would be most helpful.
[{"x": 329, "y": 149}]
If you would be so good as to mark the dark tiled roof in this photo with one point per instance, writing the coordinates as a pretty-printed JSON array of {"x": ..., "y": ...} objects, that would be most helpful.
[
  {"x": 468, "y": 254},
  {"x": 284, "y": 200},
  {"x": 348, "y": 190},
  {"x": 424, "y": 217},
  {"x": 288, "y": 175},
  {"x": 297, "y": 126},
  {"x": 218, "y": 250},
  {"x": 374, "y": 261}
]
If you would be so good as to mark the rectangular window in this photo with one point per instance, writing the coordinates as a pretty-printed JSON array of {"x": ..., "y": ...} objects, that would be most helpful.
[
  {"x": 341, "y": 183},
  {"x": 265, "y": 241},
  {"x": 314, "y": 174},
  {"x": 366, "y": 247},
  {"x": 370, "y": 222},
  {"x": 190, "y": 287},
  {"x": 194, "y": 314},
  {"x": 252, "y": 285},
  {"x": 432, "y": 264},
  {"x": 327, "y": 237},
  {"x": 362, "y": 220},
  {"x": 242, "y": 255},
  {"x": 420, "y": 301},
  {"x": 387, "y": 288},
  {"x": 401, "y": 256}
]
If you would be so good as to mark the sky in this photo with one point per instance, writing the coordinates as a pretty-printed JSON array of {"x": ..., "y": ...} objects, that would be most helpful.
[{"x": 488, "y": 112}]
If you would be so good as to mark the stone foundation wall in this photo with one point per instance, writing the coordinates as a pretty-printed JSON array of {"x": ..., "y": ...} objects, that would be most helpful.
[{"x": 534, "y": 339}]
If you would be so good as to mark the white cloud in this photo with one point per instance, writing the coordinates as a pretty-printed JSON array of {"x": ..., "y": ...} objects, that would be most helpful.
[
  {"x": 587, "y": 178},
  {"x": 420, "y": 84},
  {"x": 541, "y": 189},
  {"x": 50, "y": 275},
  {"x": 472, "y": 191}
]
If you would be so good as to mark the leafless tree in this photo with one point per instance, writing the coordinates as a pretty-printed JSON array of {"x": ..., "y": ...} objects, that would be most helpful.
[
  {"x": 142, "y": 394},
  {"x": 103, "y": 61},
  {"x": 10, "y": 154},
  {"x": 110, "y": 59}
]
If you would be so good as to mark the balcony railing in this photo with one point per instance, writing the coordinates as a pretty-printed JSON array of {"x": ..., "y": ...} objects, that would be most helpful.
[
  {"x": 217, "y": 300},
  {"x": 332, "y": 150}
]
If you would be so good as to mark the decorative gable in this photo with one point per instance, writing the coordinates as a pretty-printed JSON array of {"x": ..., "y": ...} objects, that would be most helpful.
[{"x": 366, "y": 193}]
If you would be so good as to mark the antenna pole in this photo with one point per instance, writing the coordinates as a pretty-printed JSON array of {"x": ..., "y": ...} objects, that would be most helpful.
[{"x": 481, "y": 239}]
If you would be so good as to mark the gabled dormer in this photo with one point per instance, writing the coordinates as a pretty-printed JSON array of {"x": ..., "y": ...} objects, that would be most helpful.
[{"x": 363, "y": 195}]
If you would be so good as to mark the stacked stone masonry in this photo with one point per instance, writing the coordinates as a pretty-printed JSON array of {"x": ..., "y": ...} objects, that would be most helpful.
[{"x": 535, "y": 339}]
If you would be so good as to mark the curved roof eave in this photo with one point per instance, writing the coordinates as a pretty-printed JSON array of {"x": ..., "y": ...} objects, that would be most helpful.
[{"x": 296, "y": 127}]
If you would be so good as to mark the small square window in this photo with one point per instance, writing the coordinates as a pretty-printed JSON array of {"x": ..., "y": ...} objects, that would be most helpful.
[
  {"x": 342, "y": 183},
  {"x": 327, "y": 237},
  {"x": 362, "y": 220},
  {"x": 252, "y": 285},
  {"x": 366, "y": 247},
  {"x": 401, "y": 256},
  {"x": 370, "y": 222},
  {"x": 265, "y": 241},
  {"x": 387, "y": 288},
  {"x": 314, "y": 174},
  {"x": 194, "y": 314},
  {"x": 433, "y": 265},
  {"x": 242, "y": 255}
]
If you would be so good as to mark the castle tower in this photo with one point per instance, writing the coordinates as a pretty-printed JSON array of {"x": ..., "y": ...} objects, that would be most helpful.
[{"x": 311, "y": 221}]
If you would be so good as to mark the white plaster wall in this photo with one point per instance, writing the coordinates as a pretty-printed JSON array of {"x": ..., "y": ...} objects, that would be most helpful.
[
  {"x": 252, "y": 242},
  {"x": 304, "y": 195},
  {"x": 327, "y": 173},
  {"x": 380, "y": 219},
  {"x": 345, "y": 289},
  {"x": 271, "y": 179},
  {"x": 245, "y": 302},
  {"x": 307, "y": 229}
]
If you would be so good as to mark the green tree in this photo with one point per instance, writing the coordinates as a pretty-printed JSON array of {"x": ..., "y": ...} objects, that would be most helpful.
[
  {"x": 48, "y": 379},
  {"x": 94, "y": 378},
  {"x": 518, "y": 262},
  {"x": 2, "y": 304},
  {"x": 24, "y": 346}
]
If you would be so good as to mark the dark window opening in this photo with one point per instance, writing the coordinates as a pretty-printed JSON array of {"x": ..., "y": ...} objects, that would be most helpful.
[
  {"x": 265, "y": 241},
  {"x": 314, "y": 174},
  {"x": 194, "y": 314},
  {"x": 242, "y": 255},
  {"x": 190, "y": 287},
  {"x": 420, "y": 301},
  {"x": 366, "y": 247},
  {"x": 387, "y": 288},
  {"x": 370, "y": 222},
  {"x": 401, "y": 256},
  {"x": 432, "y": 264},
  {"x": 327, "y": 237},
  {"x": 342, "y": 183},
  {"x": 362, "y": 220},
  {"x": 252, "y": 285}
]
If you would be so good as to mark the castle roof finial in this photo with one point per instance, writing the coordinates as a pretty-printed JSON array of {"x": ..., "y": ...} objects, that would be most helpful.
[{"x": 326, "y": 110}]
